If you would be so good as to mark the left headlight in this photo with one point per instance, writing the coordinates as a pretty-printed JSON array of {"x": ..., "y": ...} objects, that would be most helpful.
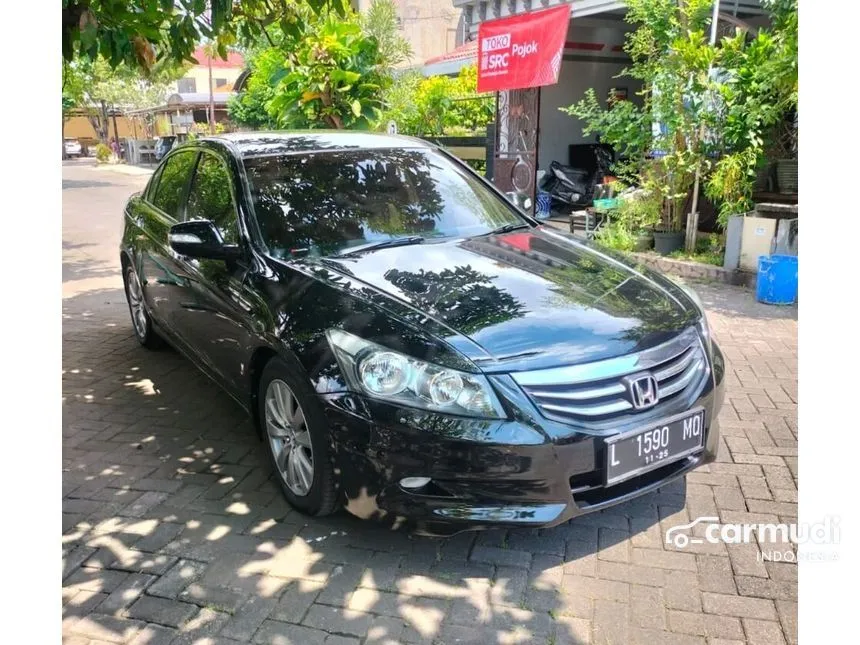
[{"x": 391, "y": 376}]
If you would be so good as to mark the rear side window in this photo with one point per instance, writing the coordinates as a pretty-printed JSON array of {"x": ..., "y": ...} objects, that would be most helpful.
[
  {"x": 210, "y": 198},
  {"x": 172, "y": 182}
]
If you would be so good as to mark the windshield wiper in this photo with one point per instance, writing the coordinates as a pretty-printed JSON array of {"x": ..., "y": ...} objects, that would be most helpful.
[
  {"x": 507, "y": 228},
  {"x": 384, "y": 244}
]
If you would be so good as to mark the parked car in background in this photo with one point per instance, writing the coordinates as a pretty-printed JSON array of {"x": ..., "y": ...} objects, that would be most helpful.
[
  {"x": 163, "y": 145},
  {"x": 408, "y": 342},
  {"x": 73, "y": 147}
]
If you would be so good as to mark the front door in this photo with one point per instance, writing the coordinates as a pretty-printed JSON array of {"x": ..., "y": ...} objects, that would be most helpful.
[
  {"x": 160, "y": 270},
  {"x": 215, "y": 316}
]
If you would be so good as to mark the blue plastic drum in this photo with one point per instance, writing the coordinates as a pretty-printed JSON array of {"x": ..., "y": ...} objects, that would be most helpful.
[
  {"x": 777, "y": 280},
  {"x": 544, "y": 201}
]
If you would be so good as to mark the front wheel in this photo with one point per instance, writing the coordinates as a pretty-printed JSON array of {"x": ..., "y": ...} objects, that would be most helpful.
[
  {"x": 295, "y": 431},
  {"x": 140, "y": 320}
]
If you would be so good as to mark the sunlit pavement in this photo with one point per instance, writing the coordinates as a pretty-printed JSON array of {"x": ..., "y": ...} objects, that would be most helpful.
[{"x": 173, "y": 531}]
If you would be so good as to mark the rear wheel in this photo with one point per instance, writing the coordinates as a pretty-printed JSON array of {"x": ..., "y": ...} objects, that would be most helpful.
[
  {"x": 296, "y": 436},
  {"x": 140, "y": 320}
]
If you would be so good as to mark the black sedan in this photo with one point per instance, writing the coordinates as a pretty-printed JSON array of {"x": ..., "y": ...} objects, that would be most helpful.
[{"x": 411, "y": 345}]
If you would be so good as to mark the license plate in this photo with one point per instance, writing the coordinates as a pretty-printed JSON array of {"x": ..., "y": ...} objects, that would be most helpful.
[{"x": 639, "y": 451}]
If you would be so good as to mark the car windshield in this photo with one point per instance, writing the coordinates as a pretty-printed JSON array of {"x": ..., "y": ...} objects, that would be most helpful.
[{"x": 324, "y": 203}]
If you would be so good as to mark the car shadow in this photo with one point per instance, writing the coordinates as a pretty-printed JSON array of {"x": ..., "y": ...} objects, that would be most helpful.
[{"x": 167, "y": 494}]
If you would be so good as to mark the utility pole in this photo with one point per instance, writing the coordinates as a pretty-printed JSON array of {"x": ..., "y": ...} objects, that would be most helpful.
[
  {"x": 211, "y": 95},
  {"x": 693, "y": 215},
  {"x": 116, "y": 134}
]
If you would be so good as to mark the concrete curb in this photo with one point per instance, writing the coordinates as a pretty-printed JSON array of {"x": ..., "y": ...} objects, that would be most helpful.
[
  {"x": 124, "y": 169},
  {"x": 696, "y": 270}
]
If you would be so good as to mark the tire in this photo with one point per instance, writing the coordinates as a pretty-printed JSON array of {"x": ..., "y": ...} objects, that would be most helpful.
[
  {"x": 141, "y": 322},
  {"x": 303, "y": 433}
]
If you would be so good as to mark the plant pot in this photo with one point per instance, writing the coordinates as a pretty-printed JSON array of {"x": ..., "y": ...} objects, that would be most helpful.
[
  {"x": 764, "y": 179},
  {"x": 666, "y": 242},
  {"x": 644, "y": 241},
  {"x": 786, "y": 176}
]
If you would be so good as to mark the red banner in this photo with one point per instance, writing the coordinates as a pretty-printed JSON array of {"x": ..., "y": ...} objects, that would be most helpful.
[{"x": 522, "y": 51}]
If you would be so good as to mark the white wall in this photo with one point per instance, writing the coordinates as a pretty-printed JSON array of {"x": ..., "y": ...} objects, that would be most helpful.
[{"x": 557, "y": 129}]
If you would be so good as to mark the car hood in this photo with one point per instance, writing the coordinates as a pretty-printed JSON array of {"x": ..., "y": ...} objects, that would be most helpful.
[{"x": 528, "y": 299}]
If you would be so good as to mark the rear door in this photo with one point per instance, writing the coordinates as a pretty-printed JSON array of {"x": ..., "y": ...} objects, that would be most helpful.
[{"x": 159, "y": 268}]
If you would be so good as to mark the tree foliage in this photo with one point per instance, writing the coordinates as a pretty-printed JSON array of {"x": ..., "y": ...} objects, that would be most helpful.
[
  {"x": 141, "y": 32},
  {"x": 331, "y": 77},
  {"x": 437, "y": 105},
  {"x": 327, "y": 72},
  {"x": 698, "y": 104},
  {"x": 759, "y": 90},
  {"x": 96, "y": 88},
  {"x": 249, "y": 107},
  {"x": 380, "y": 22}
]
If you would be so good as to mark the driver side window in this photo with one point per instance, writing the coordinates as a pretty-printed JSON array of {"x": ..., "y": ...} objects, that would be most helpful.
[
  {"x": 210, "y": 197},
  {"x": 172, "y": 182}
]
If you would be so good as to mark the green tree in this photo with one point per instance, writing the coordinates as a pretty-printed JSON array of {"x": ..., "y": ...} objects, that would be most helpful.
[
  {"x": 331, "y": 77},
  {"x": 438, "y": 104},
  {"x": 248, "y": 108},
  {"x": 139, "y": 33},
  {"x": 98, "y": 89},
  {"x": 758, "y": 91},
  {"x": 698, "y": 102},
  {"x": 380, "y": 22}
]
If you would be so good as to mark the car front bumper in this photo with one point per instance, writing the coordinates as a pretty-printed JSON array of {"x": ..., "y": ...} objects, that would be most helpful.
[{"x": 526, "y": 472}]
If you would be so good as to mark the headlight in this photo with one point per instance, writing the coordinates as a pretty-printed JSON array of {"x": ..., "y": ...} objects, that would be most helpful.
[
  {"x": 384, "y": 374},
  {"x": 704, "y": 327}
]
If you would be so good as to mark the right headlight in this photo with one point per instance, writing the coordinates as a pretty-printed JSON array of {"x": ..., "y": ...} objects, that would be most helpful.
[
  {"x": 704, "y": 327},
  {"x": 390, "y": 376}
]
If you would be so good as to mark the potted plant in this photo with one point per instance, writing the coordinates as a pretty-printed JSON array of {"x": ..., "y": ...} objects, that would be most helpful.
[
  {"x": 639, "y": 211},
  {"x": 669, "y": 179}
]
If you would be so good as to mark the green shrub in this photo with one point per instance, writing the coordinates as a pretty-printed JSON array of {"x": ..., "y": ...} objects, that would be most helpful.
[
  {"x": 615, "y": 235},
  {"x": 639, "y": 211},
  {"x": 102, "y": 153}
]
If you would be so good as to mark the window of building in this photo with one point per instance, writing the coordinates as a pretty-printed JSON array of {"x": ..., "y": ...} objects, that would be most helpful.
[
  {"x": 220, "y": 82},
  {"x": 187, "y": 85}
]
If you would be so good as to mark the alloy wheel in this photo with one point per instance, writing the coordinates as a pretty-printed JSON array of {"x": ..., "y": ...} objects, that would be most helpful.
[
  {"x": 289, "y": 438},
  {"x": 135, "y": 303}
]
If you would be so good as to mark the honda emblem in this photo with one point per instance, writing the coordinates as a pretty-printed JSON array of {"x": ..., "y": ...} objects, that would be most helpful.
[{"x": 643, "y": 391}]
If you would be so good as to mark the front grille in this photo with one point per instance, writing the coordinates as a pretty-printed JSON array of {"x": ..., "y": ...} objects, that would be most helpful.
[{"x": 597, "y": 392}]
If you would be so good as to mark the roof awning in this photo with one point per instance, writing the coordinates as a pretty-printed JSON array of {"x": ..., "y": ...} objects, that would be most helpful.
[{"x": 452, "y": 62}]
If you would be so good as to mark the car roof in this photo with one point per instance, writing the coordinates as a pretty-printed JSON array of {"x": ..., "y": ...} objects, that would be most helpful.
[{"x": 258, "y": 144}]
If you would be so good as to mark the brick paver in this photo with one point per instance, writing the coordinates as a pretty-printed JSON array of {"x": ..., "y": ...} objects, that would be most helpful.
[{"x": 174, "y": 533}]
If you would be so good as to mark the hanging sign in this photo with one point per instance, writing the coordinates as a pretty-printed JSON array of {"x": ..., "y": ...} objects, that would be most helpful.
[{"x": 523, "y": 50}]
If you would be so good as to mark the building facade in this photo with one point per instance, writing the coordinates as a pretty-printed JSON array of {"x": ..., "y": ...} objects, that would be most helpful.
[
  {"x": 432, "y": 27},
  {"x": 224, "y": 74}
]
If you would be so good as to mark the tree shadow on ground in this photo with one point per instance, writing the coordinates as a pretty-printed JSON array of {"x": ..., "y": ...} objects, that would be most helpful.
[
  {"x": 69, "y": 184},
  {"x": 174, "y": 528}
]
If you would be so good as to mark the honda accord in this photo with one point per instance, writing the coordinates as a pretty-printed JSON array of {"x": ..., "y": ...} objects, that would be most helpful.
[{"x": 410, "y": 344}]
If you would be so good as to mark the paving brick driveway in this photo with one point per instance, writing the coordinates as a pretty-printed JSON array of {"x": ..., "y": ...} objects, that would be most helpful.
[{"x": 174, "y": 533}]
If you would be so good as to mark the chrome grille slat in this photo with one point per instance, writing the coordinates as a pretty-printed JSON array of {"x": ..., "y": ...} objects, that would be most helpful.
[
  {"x": 609, "y": 368},
  {"x": 682, "y": 382},
  {"x": 590, "y": 410},
  {"x": 597, "y": 390},
  {"x": 675, "y": 368},
  {"x": 582, "y": 395}
]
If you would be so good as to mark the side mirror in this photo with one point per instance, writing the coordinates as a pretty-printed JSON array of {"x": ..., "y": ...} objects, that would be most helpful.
[{"x": 200, "y": 239}]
